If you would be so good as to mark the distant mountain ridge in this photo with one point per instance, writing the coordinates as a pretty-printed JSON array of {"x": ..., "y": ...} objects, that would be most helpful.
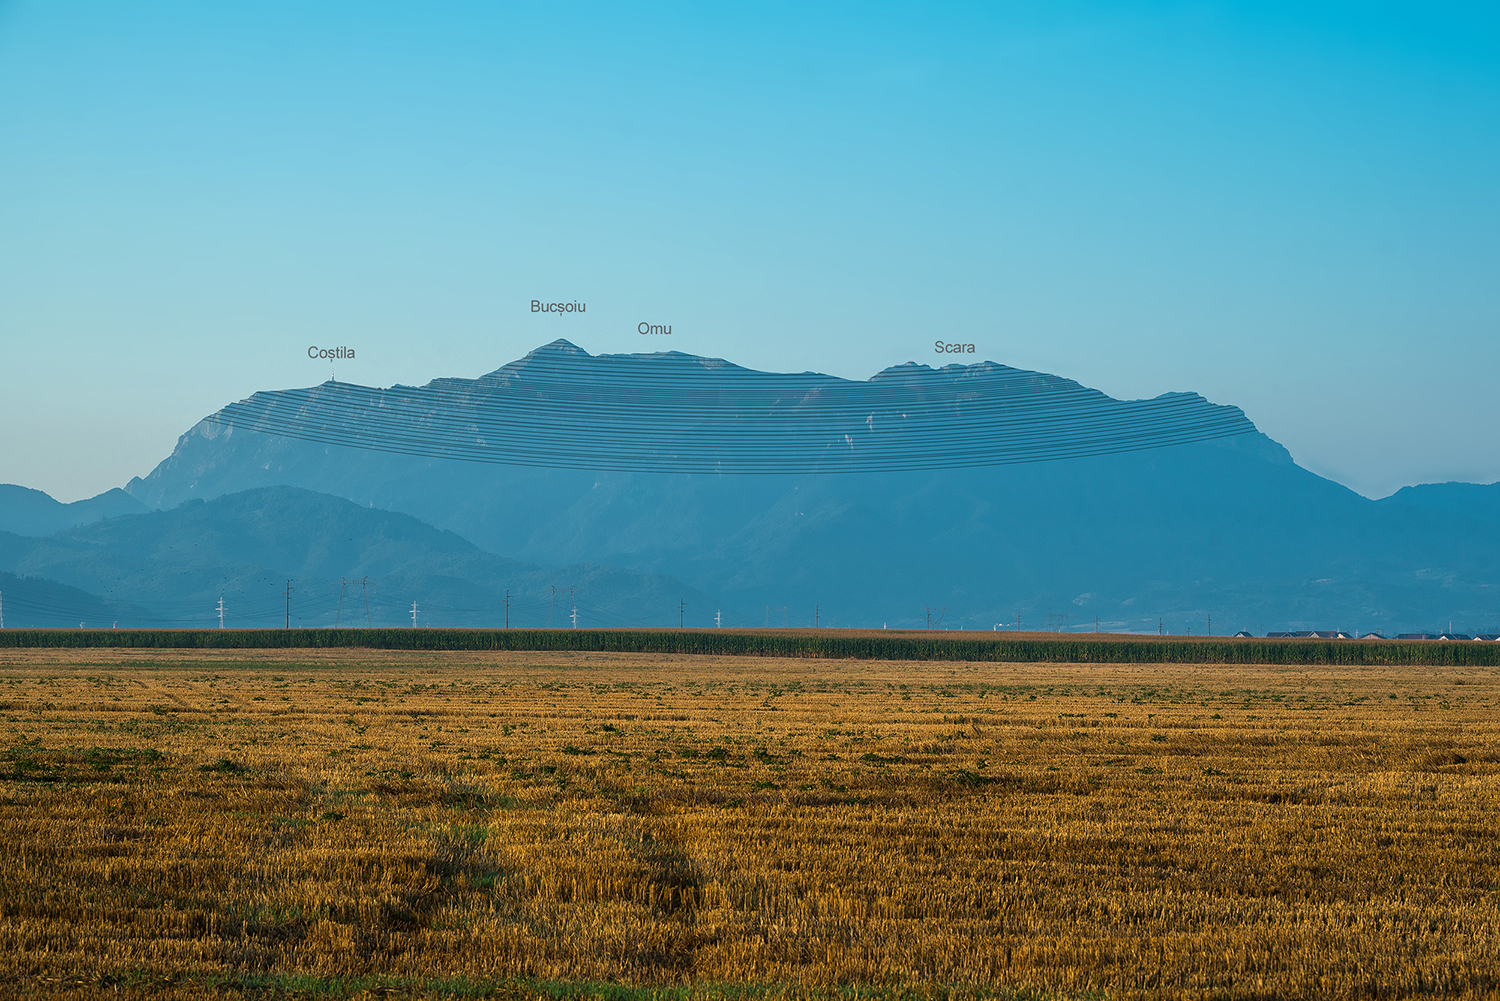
[
  {"x": 170, "y": 568},
  {"x": 32, "y": 512},
  {"x": 1474, "y": 500},
  {"x": 1222, "y": 534}
]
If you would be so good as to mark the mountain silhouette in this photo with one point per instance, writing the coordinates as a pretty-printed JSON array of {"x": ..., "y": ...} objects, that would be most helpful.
[
  {"x": 39, "y": 603},
  {"x": 32, "y": 512},
  {"x": 176, "y": 565},
  {"x": 1476, "y": 501},
  {"x": 1222, "y": 533}
]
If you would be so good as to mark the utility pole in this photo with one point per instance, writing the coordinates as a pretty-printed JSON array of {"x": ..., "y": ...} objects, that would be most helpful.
[
  {"x": 768, "y": 616},
  {"x": 550, "y": 603},
  {"x": 365, "y": 587},
  {"x": 289, "y": 590},
  {"x": 414, "y": 615},
  {"x": 2, "y": 609},
  {"x": 718, "y": 619},
  {"x": 575, "y": 615},
  {"x": 1096, "y": 623},
  {"x": 817, "y": 611},
  {"x": 338, "y": 619},
  {"x": 1158, "y": 626},
  {"x": 507, "y": 609},
  {"x": 681, "y": 613},
  {"x": 221, "y": 611},
  {"x": 1210, "y": 623}
]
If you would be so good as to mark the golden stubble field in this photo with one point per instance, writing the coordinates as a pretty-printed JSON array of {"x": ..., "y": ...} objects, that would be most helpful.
[{"x": 299, "y": 822}]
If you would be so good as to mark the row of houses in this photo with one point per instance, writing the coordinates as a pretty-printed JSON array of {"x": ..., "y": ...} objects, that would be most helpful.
[{"x": 1335, "y": 634}]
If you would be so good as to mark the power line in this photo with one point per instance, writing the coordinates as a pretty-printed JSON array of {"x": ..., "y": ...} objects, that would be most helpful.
[{"x": 674, "y": 413}]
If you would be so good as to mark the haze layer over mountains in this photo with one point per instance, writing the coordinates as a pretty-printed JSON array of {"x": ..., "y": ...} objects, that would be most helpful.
[{"x": 1228, "y": 528}]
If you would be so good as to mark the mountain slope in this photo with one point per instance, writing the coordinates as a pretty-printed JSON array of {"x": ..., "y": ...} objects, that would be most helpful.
[
  {"x": 31, "y": 512},
  {"x": 39, "y": 603},
  {"x": 1478, "y": 501},
  {"x": 245, "y": 547},
  {"x": 1230, "y": 529}
]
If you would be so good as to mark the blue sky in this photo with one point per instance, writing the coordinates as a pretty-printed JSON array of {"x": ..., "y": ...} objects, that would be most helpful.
[{"x": 1288, "y": 207}]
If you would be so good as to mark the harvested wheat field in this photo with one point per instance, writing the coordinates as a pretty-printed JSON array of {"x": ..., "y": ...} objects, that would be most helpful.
[{"x": 331, "y": 824}]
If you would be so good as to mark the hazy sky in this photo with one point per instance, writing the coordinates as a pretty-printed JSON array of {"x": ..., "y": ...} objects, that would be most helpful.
[{"x": 1294, "y": 208}]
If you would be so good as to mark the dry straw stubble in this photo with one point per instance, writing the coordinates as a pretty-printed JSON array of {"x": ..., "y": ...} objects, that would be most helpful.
[{"x": 1124, "y": 829}]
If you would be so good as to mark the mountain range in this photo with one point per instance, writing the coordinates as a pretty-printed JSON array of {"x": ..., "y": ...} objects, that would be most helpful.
[
  {"x": 345, "y": 564},
  {"x": 32, "y": 512},
  {"x": 1220, "y": 534}
]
